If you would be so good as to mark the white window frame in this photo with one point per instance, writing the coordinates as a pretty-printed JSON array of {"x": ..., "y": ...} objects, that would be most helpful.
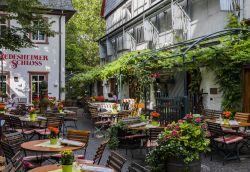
[{"x": 38, "y": 33}]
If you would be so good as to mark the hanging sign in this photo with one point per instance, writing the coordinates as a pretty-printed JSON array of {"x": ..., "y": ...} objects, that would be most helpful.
[{"x": 24, "y": 59}]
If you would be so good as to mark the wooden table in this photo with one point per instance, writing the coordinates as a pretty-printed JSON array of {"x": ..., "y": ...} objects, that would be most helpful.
[
  {"x": 241, "y": 124},
  {"x": 47, "y": 168},
  {"x": 31, "y": 147}
]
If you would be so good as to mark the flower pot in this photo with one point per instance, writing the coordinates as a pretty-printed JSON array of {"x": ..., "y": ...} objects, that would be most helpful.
[
  {"x": 155, "y": 123},
  {"x": 60, "y": 110},
  {"x": 53, "y": 141},
  {"x": 2, "y": 107},
  {"x": 33, "y": 116},
  {"x": 67, "y": 168},
  {"x": 177, "y": 165},
  {"x": 226, "y": 121}
]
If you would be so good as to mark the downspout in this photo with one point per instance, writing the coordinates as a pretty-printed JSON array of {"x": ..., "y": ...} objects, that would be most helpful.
[{"x": 60, "y": 54}]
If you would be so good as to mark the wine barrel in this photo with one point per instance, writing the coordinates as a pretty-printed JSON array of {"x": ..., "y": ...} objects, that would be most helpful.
[{"x": 178, "y": 165}]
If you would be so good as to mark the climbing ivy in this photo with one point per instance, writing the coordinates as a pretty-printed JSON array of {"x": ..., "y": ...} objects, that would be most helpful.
[{"x": 225, "y": 60}]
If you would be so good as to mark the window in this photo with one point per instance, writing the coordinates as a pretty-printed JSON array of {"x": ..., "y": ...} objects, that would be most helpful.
[
  {"x": 3, "y": 26},
  {"x": 36, "y": 85},
  {"x": 38, "y": 36},
  {"x": 3, "y": 84},
  {"x": 139, "y": 34},
  {"x": 119, "y": 43},
  {"x": 162, "y": 21},
  {"x": 139, "y": 6}
]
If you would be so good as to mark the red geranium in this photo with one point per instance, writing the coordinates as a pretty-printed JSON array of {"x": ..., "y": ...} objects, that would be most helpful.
[
  {"x": 154, "y": 114},
  {"x": 227, "y": 114}
]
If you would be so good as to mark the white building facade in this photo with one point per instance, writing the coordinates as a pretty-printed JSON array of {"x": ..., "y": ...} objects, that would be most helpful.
[
  {"x": 24, "y": 71},
  {"x": 153, "y": 24}
]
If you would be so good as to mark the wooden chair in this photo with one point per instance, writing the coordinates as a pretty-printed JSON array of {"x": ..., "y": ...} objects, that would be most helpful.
[
  {"x": 223, "y": 142},
  {"x": 79, "y": 135},
  {"x": 208, "y": 113},
  {"x": 70, "y": 117},
  {"x": 242, "y": 117},
  {"x": 9, "y": 168},
  {"x": 134, "y": 167},
  {"x": 99, "y": 153},
  {"x": 14, "y": 140},
  {"x": 115, "y": 161},
  {"x": 217, "y": 113},
  {"x": 17, "y": 158},
  {"x": 153, "y": 136},
  {"x": 18, "y": 126},
  {"x": 17, "y": 162},
  {"x": 50, "y": 121}
]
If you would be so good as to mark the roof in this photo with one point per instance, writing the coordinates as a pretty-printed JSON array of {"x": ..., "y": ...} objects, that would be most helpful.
[
  {"x": 58, "y": 4},
  {"x": 111, "y": 5}
]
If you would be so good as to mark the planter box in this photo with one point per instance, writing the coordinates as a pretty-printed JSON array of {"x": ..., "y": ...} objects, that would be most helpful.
[{"x": 177, "y": 165}]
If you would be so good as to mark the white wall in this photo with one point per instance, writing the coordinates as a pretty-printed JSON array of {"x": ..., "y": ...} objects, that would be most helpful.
[
  {"x": 21, "y": 88},
  {"x": 210, "y": 101},
  {"x": 247, "y": 9},
  {"x": 207, "y": 17}
]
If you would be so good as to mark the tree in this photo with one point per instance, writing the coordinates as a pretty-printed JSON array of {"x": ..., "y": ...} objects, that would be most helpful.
[
  {"x": 82, "y": 33},
  {"x": 25, "y": 13}
]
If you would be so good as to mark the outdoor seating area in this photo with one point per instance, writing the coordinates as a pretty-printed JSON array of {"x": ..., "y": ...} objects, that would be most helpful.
[{"x": 37, "y": 143}]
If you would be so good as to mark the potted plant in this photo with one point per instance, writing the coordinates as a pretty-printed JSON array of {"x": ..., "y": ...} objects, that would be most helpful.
[
  {"x": 179, "y": 147},
  {"x": 36, "y": 102},
  {"x": 54, "y": 134},
  {"x": 60, "y": 107},
  {"x": 155, "y": 118},
  {"x": 227, "y": 115},
  {"x": 67, "y": 159},
  {"x": 114, "y": 107},
  {"x": 33, "y": 114}
]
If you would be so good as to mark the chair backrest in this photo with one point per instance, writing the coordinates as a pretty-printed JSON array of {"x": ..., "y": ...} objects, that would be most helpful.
[
  {"x": 79, "y": 135},
  {"x": 17, "y": 162},
  {"x": 115, "y": 161},
  {"x": 99, "y": 152},
  {"x": 16, "y": 122},
  {"x": 154, "y": 133},
  {"x": 9, "y": 168},
  {"x": 7, "y": 151},
  {"x": 14, "y": 140},
  {"x": 217, "y": 113},
  {"x": 208, "y": 113},
  {"x": 243, "y": 117},
  {"x": 54, "y": 121},
  {"x": 134, "y": 167},
  {"x": 215, "y": 129}
]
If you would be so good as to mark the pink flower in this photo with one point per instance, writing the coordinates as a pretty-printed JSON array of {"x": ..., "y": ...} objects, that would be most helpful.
[
  {"x": 174, "y": 133},
  {"x": 180, "y": 121},
  {"x": 169, "y": 126},
  {"x": 198, "y": 120},
  {"x": 177, "y": 127}
]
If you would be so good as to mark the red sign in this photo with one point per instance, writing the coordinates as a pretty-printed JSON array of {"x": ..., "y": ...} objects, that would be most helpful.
[{"x": 24, "y": 59}]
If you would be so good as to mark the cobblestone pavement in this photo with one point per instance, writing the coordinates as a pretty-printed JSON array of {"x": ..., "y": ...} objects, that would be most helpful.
[{"x": 139, "y": 156}]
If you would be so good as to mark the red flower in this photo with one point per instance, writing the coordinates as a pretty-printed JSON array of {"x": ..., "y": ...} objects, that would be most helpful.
[
  {"x": 154, "y": 114},
  {"x": 227, "y": 114}
]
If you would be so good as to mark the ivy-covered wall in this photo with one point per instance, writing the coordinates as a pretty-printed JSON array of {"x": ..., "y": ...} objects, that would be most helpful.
[{"x": 224, "y": 60}]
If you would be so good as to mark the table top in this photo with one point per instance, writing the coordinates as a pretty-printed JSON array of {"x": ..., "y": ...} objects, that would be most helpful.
[
  {"x": 47, "y": 168},
  {"x": 31, "y": 146},
  {"x": 145, "y": 127},
  {"x": 241, "y": 124}
]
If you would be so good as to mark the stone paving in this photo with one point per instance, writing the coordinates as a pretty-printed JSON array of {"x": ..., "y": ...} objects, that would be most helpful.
[{"x": 139, "y": 156}]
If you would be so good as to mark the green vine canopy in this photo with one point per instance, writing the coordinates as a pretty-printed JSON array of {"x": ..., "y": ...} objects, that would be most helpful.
[{"x": 225, "y": 60}]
